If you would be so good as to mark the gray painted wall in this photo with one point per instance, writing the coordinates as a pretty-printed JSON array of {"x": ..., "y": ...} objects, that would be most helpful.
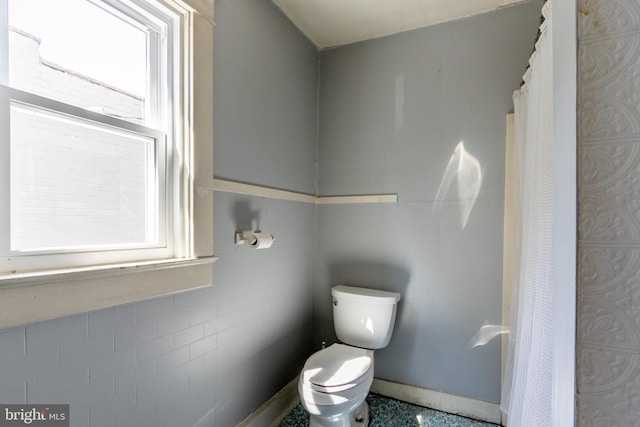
[
  {"x": 392, "y": 113},
  {"x": 212, "y": 356},
  {"x": 265, "y": 92}
]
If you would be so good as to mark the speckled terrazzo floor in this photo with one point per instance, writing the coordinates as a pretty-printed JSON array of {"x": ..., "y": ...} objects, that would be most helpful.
[{"x": 387, "y": 412}]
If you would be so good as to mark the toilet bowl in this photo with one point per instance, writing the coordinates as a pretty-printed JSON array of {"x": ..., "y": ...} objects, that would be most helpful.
[{"x": 335, "y": 381}]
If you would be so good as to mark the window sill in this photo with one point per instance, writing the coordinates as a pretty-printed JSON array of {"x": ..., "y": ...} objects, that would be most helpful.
[
  {"x": 33, "y": 297},
  {"x": 53, "y": 276}
]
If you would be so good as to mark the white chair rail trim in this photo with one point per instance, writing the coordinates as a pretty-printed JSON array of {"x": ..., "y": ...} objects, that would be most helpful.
[{"x": 273, "y": 193}]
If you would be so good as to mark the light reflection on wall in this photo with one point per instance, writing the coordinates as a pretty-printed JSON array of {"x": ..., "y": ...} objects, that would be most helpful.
[
  {"x": 486, "y": 333},
  {"x": 465, "y": 170}
]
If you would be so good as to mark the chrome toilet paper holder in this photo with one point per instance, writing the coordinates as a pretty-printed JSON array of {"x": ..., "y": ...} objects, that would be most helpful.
[{"x": 255, "y": 239}]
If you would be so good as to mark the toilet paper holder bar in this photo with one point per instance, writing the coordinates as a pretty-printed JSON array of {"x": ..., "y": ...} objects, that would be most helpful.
[{"x": 254, "y": 239}]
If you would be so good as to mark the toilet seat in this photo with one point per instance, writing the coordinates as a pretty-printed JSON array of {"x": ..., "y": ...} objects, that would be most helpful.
[{"x": 338, "y": 368}]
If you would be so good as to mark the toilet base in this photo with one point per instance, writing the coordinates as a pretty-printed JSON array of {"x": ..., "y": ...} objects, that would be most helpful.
[{"x": 359, "y": 417}]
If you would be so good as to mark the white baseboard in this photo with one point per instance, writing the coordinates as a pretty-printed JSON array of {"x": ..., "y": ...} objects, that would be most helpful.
[
  {"x": 271, "y": 412},
  {"x": 467, "y": 407},
  {"x": 279, "y": 405}
]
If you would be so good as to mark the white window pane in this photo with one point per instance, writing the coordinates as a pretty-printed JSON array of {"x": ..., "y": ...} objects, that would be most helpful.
[
  {"x": 77, "y": 184},
  {"x": 75, "y": 52}
]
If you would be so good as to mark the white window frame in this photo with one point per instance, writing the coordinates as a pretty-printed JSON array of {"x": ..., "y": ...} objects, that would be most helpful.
[{"x": 100, "y": 283}]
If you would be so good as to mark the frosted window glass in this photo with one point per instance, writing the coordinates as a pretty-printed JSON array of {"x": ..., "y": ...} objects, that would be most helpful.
[{"x": 77, "y": 184}]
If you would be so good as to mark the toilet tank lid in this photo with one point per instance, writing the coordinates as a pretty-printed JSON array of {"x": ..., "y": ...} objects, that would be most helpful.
[
  {"x": 364, "y": 294},
  {"x": 337, "y": 365}
]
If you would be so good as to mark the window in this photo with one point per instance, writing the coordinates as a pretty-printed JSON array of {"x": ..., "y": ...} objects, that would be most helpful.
[
  {"x": 106, "y": 154},
  {"x": 91, "y": 143}
]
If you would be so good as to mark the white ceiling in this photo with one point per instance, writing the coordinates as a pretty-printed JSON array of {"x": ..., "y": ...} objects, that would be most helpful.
[{"x": 336, "y": 22}]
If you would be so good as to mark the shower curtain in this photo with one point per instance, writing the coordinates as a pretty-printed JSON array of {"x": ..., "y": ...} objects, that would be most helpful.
[{"x": 527, "y": 384}]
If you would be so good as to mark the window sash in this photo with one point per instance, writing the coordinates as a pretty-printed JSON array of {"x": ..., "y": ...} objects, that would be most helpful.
[
  {"x": 155, "y": 179},
  {"x": 144, "y": 16}
]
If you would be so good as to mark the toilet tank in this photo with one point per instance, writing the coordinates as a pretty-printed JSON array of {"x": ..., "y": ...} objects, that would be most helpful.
[{"x": 364, "y": 317}]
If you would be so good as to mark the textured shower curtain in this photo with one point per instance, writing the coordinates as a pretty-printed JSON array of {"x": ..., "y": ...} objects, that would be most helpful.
[{"x": 527, "y": 384}]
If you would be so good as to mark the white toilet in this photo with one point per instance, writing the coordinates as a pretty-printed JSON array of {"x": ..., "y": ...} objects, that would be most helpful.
[{"x": 335, "y": 381}]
